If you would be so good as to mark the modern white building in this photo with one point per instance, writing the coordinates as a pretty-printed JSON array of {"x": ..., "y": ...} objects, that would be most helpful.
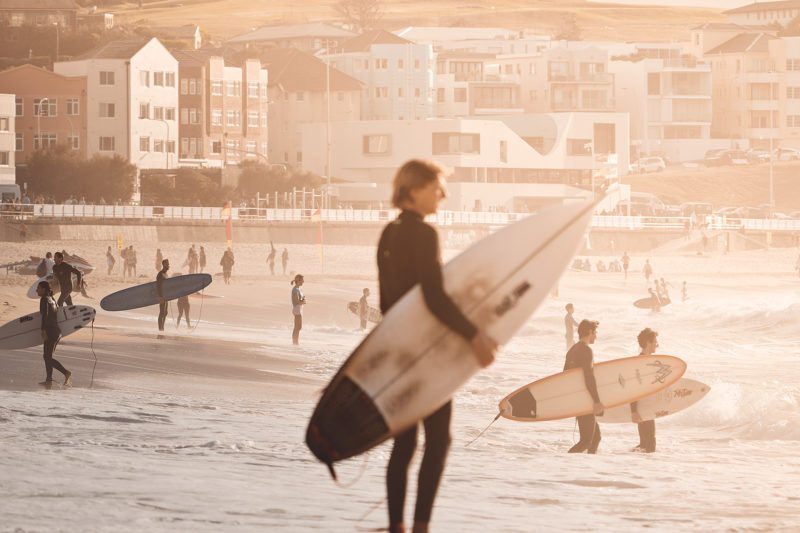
[
  {"x": 132, "y": 101},
  {"x": 508, "y": 153},
  {"x": 7, "y": 139},
  {"x": 398, "y": 76}
]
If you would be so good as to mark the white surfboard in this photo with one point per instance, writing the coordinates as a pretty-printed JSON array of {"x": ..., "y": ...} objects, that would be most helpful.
[
  {"x": 411, "y": 363},
  {"x": 147, "y": 293},
  {"x": 53, "y": 281},
  {"x": 682, "y": 394},
  {"x": 564, "y": 395},
  {"x": 26, "y": 331}
]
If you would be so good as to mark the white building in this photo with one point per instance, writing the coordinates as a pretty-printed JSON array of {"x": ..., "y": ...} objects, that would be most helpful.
[
  {"x": 511, "y": 154},
  {"x": 765, "y": 13},
  {"x": 476, "y": 40},
  {"x": 7, "y": 139},
  {"x": 132, "y": 101},
  {"x": 398, "y": 75}
]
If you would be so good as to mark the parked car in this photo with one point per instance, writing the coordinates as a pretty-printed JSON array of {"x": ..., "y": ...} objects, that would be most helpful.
[
  {"x": 698, "y": 208},
  {"x": 786, "y": 154},
  {"x": 648, "y": 164},
  {"x": 757, "y": 155},
  {"x": 715, "y": 158},
  {"x": 645, "y": 204}
]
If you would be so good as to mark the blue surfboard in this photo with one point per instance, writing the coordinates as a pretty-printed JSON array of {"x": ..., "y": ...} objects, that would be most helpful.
[{"x": 147, "y": 293}]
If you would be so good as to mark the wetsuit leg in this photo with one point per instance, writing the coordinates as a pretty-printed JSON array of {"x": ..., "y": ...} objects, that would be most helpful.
[
  {"x": 437, "y": 445},
  {"x": 49, "y": 363},
  {"x": 397, "y": 473},
  {"x": 298, "y": 325},
  {"x": 162, "y": 315},
  {"x": 647, "y": 436},
  {"x": 64, "y": 297},
  {"x": 587, "y": 425}
]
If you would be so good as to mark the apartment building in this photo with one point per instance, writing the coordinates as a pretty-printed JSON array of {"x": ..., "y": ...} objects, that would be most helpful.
[
  {"x": 668, "y": 97},
  {"x": 49, "y": 109},
  {"x": 17, "y": 13},
  {"x": 7, "y": 138},
  {"x": 781, "y": 13},
  {"x": 494, "y": 41},
  {"x": 223, "y": 110},
  {"x": 398, "y": 76},
  {"x": 467, "y": 86},
  {"x": 131, "y": 101},
  {"x": 785, "y": 55},
  {"x": 746, "y": 89},
  {"x": 298, "y": 94}
]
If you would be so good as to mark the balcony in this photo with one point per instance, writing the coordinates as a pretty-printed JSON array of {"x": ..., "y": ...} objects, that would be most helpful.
[
  {"x": 600, "y": 78},
  {"x": 686, "y": 63}
]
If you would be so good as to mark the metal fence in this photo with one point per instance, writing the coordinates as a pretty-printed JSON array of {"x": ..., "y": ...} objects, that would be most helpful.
[{"x": 443, "y": 218}]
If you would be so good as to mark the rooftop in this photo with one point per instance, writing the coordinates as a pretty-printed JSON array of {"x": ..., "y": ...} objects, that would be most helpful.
[
  {"x": 763, "y": 6},
  {"x": 363, "y": 42},
  {"x": 744, "y": 42},
  {"x": 296, "y": 70},
  {"x": 274, "y": 33}
]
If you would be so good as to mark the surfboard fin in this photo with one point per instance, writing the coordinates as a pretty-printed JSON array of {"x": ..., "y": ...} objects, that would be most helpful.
[{"x": 331, "y": 470}]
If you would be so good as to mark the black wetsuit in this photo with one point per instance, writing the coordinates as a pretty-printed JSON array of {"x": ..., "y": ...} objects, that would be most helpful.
[
  {"x": 63, "y": 273},
  {"x": 581, "y": 356},
  {"x": 49, "y": 312},
  {"x": 408, "y": 253},
  {"x": 162, "y": 307}
]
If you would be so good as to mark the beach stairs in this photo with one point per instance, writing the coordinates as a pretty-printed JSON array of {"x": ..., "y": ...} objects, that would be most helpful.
[{"x": 693, "y": 243}]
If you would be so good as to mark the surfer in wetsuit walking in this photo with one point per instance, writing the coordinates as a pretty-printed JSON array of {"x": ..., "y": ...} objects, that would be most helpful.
[
  {"x": 162, "y": 303},
  {"x": 581, "y": 356},
  {"x": 648, "y": 341},
  {"x": 408, "y": 253},
  {"x": 63, "y": 273},
  {"x": 51, "y": 333}
]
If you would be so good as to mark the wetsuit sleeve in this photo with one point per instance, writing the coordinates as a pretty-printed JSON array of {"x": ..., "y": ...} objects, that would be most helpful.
[
  {"x": 382, "y": 299},
  {"x": 43, "y": 310},
  {"x": 588, "y": 374},
  {"x": 429, "y": 272}
]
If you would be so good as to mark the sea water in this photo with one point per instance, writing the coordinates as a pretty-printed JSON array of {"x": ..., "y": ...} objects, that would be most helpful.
[{"x": 136, "y": 456}]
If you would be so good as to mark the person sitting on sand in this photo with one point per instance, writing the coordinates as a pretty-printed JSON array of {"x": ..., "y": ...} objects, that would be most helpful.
[{"x": 51, "y": 333}]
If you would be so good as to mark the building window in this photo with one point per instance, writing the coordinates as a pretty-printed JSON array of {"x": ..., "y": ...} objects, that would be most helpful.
[
  {"x": 4, "y": 123},
  {"x": 381, "y": 64},
  {"x": 381, "y": 92},
  {"x": 460, "y": 94},
  {"x": 579, "y": 147},
  {"x": 5, "y": 159},
  {"x": 264, "y": 120},
  {"x": 107, "y": 110},
  {"x": 252, "y": 148},
  {"x": 107, "y": 78},
  {"x": 45, "y": 107},
  {"x": 73, "y": 107},
  {"x": 793, "y": 121},
  {"x": 440, "y": 95},
  {"x": 252, "y": 89},
  {"x": 234, "y": 88},
  {"x": 170, "y": 147},
  {"x": 184, "y": 86},
  {"x": 252, "y": 119},
  {"x": 793, "y": 92},
  {"x": 233, "y": 117},
  {"x": 158, "y": 79},
  {"x": 169, "y": 79},
  {"x": 144, "y": 78},
  {"x": 216, "y": 147},
  {"x": 400, "y": 64},
  {"x": 417, "y": 92},
  {"x": 456, "y": 143},
  {"x": 74, "y": 141},
  {"x": 158, "y": 113},
  {"x": 158, "y": 145},
  {"x": 216, "y": 87},
  {"x": 45, "y": 140},
  {"x": 194, "y": 115},
  {"x": 20, "y": 142},
  {"x": 399, "y": 92},
  {"x": 144, "y": 144},
  {"x": 19, "y": 109},
  {"x": 377, "y": 144},
  {"x": 144, "y": 110},
  {"x": 216, "y": 117},
  {"x": 192, "y": 86},
  {"x": 169, "y": 113},
  {"x": 793, "y": 64},
  {"x": 264, "y": 149},
  {"x": 416, "y": 64}
]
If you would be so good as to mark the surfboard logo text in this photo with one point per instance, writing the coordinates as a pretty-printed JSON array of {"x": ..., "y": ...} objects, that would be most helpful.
[
  {"x": 662, "y": 371},
  {"x": 510, "y": 300}
]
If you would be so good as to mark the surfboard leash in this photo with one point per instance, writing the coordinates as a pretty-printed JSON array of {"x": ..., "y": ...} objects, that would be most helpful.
[
  {"x": 91, "y": 346},
  {"x": 484, "y": 429},
  {"x": 358, "y": 476},
  {"x": 366, "y": 514},
  {"x": 200, "y": 314}
]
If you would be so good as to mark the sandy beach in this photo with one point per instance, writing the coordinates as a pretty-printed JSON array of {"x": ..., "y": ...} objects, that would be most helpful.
[{"x": 203, "y": 429}]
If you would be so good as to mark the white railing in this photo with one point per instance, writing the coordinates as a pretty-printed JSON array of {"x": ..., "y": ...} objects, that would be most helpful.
[{"x": 376, "y": 216}]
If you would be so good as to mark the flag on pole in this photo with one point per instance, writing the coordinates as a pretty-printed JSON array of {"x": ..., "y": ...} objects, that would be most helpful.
[
  {"x": 226, "y": 211},
  {"x": 317, "y": 217}
]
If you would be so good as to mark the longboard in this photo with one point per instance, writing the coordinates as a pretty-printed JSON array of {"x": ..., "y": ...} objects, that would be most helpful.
[
  {"x": 650, "y": 303},
  {"x": 373, "y": 315},
  {"x": 682, "y": 394},
  {"x": 147, "y": 293},
  {"x": 26, "y": 331},
  {"x": 564, "y": 395},
  {"x": 54, "y": 286},
  {"x": 411, "y": 364}
]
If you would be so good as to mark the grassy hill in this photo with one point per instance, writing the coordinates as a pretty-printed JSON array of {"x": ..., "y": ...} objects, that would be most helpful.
[
  {"x": 596, "y": 21},
  {"x": 725, "y": 186}
]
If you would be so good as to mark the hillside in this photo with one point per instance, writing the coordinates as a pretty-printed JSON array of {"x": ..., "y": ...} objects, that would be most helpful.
[
  {"x": 595, "y": 21},
  {"x": 725, "y": 186}
]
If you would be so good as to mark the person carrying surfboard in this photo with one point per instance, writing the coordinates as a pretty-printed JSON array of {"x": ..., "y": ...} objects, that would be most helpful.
[
  {"x": 363, "y": 308},
  {"x": 408, "y": 254},
  {"x": 51, "y": 333},
  {"x": 63, "y": 272},
  {"x": 581, "y": 356},
  {"x": 648, "y": 342},
  {"x": 162, "y": 302}
]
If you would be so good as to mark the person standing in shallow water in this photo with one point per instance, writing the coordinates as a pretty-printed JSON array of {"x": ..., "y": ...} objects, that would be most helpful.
[
  {"x": 648, "y": 342},
  {"x": 298, "y": 301},
  {"x": 569, "y": 325},
  {"x": 162, "y": 302},
  {"x": 284, "y": 259},
  {"x": 51, "y": 333},
  {"x": 271, "y": 259},
  {"x": 581, "y": 356},
  {"x": 408, "y": 254}
]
